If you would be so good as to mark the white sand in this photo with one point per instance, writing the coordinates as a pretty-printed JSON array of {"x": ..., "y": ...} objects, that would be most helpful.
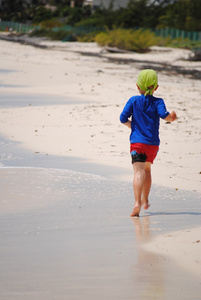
[{"x": 92, "y": 130}]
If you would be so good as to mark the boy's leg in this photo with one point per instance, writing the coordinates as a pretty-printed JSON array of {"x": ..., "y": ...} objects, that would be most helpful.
[
  {"x": 138, "y": 181},
  {"x": 146, "y": 186}
]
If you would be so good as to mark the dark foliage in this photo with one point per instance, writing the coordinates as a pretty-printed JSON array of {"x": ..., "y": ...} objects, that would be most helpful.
[{"x": 181, "y": 14}]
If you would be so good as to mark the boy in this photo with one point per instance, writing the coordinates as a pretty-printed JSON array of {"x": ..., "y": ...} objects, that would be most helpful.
[{"x": 146, "y": 111}]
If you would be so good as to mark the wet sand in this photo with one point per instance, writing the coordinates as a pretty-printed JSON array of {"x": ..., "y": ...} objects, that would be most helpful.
[{"x": 67, "y": 235}]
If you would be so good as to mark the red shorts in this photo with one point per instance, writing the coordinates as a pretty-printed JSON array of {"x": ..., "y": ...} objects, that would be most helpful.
[{"x": 143, "y": 152}]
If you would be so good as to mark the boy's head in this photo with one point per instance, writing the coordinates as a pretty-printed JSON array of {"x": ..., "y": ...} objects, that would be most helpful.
[{"x": 147, "y": 81}]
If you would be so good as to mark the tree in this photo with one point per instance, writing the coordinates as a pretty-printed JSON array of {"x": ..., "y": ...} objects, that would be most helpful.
[
  {"x": 182, "y": 14},
  {"x": 14, "y": 10}
]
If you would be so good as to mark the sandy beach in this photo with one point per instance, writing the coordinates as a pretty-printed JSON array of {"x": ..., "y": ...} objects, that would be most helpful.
[
  {"x": 59, "y": 109},
  {"x": 96, "y": 89}
]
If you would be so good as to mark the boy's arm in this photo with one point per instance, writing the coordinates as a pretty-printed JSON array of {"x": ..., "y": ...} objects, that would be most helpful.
[
  {"x": 126, "y": 113},
  {"x": 128, "y": 124},
  {"x": 171, "y": 117}
]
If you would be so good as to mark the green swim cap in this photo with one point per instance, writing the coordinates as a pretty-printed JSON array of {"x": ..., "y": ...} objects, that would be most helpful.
[{"x": 146, "y": 79}]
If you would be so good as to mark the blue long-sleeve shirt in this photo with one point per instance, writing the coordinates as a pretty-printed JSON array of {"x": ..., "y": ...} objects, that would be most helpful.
[{"x": 146, "y": 112}]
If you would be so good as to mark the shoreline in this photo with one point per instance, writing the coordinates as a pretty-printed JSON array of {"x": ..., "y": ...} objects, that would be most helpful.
[
  {"x": 182, "y": 247},
  {"x": 69, "y": 113},
  {"x": 53, "y": 238}
]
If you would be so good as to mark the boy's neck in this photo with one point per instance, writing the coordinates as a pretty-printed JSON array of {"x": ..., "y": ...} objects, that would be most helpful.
[{"x": 147, "y": 94}]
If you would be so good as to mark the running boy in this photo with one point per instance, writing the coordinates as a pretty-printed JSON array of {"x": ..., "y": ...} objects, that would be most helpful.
[{"x": 145, "y": 112}]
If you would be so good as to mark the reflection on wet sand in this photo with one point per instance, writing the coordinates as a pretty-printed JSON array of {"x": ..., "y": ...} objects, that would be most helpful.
[
  {"x": 149, "y": 271},
  {"x": 55, "y": 245}
]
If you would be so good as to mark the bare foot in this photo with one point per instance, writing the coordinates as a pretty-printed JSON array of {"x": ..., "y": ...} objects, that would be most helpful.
[
  {"x": 136, "y": 211},
  {"x": 146, "y": 206}
]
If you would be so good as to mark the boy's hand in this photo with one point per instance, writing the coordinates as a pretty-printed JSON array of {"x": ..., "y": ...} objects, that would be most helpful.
[
  {"x": 128, "y": 124},
  {"x": 173, "y": 115}
]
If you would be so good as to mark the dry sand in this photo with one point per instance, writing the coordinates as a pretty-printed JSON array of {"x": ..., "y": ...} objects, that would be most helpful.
[
  {"x": 90, "y": 128},
  {"x": 94, "y": 86}
]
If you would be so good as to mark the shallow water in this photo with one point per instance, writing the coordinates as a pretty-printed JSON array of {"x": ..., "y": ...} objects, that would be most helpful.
[{"x": 67, "y": 235}]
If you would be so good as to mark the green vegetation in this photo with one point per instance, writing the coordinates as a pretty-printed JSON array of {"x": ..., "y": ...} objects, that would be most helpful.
[
  {"x": 132, "y": 40},
  {"x": 141, "y": 40},
  {"x": 180, "y": 14},
  {"x": 49, "y": 24},
  {"x": 55, "y": 34},
  {"x": 115, "y": 28},
  {"x": 87, "y": 37},
  {"x": 126, "y": 39},
  {"x": 179, "y": 43}
]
